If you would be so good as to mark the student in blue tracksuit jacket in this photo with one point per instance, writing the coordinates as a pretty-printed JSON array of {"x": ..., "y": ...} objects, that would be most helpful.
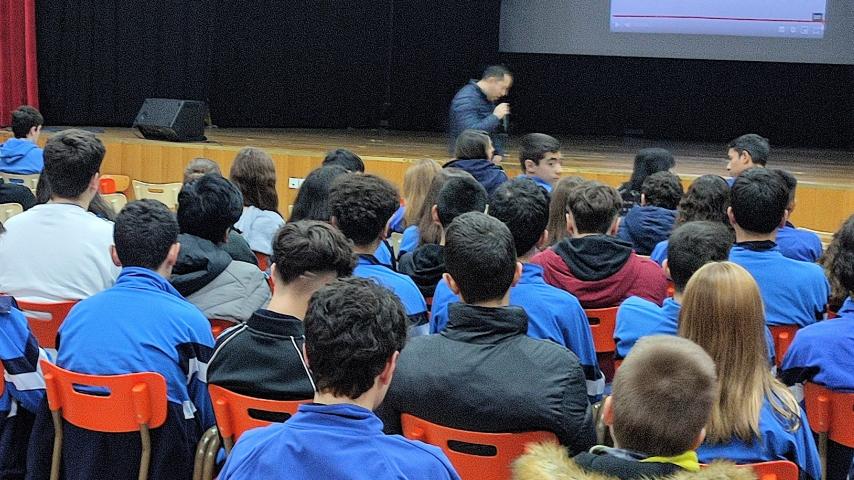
[
  {"x": 539, "y": 156},
  {"x": 796, "y": 243},
  {"x": 21, "y": 154},
  {"x": 760, "y": 420},
  {"x": 794, "y": 292},
  {"x": 823, "y": 353},
  {"x": 142, "y": 324},
  {"x": 360, "y": 206},
  {"x": 338, "y": 436}
]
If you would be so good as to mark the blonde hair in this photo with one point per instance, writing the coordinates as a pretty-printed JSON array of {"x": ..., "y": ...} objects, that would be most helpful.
[
  {"x": 557, "y": 207},
  {"x": 722, "y": 312},
  {"x": 416, "y": 184}
]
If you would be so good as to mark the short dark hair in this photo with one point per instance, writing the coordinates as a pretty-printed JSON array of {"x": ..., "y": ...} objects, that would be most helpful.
[
  {"x": 312, "y": 202},
  {"x": 535, "y": 146},
  {"x": 24, "y": 118},
  {"x": 472, "y": 145},
  {"x": 789, "y": 181},
  {"x": 756, "y": 145},
  {"x": 480, "y": 256},
  {"x": 352, "y": 328},
  {"x": 662, "y": 189},
  {"x": 647, "y": 162},
  {"x": 209, "y": 206},
  {"x": 706, "y": 199},
  {"x": 495, "y": 71},
  {"x": 759, "y": 200},
  {"x": 459, "y": 194},
  {"x": 362, "y": 204},
  {"x": 311, "y": 246},
  {"x": 594, "y": 206},
  {"x": 144, "y": 232},
  {"x": 71, "y": 158},
  {"x": 523, "y": 206},
  {"x": 840, "y": 256},
  {"x": 693, "y": 245},
  {"x": 345, "y": 158}
]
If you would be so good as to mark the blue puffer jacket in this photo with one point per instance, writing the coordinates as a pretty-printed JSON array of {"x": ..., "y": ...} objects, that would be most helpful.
[
  {"x": 645, "y": 226},
  {"x": 471, "y": 109},
  {"x": 487, "y": 173}
]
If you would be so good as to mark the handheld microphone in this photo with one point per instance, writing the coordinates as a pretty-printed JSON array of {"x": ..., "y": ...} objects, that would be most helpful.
[{"x": 506, "y": 121}]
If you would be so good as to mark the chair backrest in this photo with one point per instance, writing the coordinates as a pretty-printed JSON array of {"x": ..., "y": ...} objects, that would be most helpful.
[
  {"x": 163, "y": 192},
  {"x": 602, "y": 324},
  {"x": 830, "y": 412},
  {"x": 263, "y": 261},
  {"x": 45, "y": 319},
  {"x": 29, "y": 181},
  {"x": 121, "y": 183},
  {"x": 9, "y": 210},
  {"x": 133, "y": 399},
  {"x": 474, "y": 455},
  {"x": 106, "y": 185},
  {"x": 234, "y": 412},
  {"x": 2, "y": 380},
  {"x": 783, "y": 336},
  {"x": 775, "y": 470},
  {"x": 218, "y": 326},
  {"x": 116, "y": 200}
]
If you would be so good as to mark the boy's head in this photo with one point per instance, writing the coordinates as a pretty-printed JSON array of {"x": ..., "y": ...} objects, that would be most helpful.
[
  {"x": 459, "y": 195},
  {"x": 345, "y": 158},
  {"x": 746, "y": 152},
  {"x": 480, "y": 258},
  {"x": 662, "y": 189},
  {"x": 662, "y": 401},
  {"x": 791, "y": 184},
  {"x": 199, "y": 167},
  {"x": 361, "y": 206},
  {"x": 473, "y": 145},
  {"x": 314, "y": 251},
  {"x": 524, "y": 207},
  {"x": 72, "y": 159},
  {"x": 354, "y": 331},
  {"x": 27, "y": 123},
  {"x": 539, "y": 156},
  {"x": 208, "y": 207},
  {"x": 593, "y": 207},
  {"x": 145, "y": 235},
  {"x": 758, "y": 202},
  {"x": 693, "y": 245}
]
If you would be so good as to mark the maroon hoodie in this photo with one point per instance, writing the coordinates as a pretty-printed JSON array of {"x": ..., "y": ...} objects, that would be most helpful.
[{"x": 602, "y": 271}]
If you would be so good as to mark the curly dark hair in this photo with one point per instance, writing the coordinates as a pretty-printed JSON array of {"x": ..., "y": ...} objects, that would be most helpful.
[
  {"x": 706, "y": 199},
  {"x": 838, "y": 262},
  {"x": 311, "y": 246},
  {"x": 209, "y": 206},
  {"x": 362, "y": 204},
  {"x": 662, "y": 189}
]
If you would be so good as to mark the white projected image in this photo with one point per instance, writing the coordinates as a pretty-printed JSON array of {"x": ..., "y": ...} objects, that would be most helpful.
[{"x": 748, "y": 18}]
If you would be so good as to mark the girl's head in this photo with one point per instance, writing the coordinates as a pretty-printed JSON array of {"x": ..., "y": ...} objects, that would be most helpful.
[
  {"x": 473, "y": 145},
  {"x": 312, "y": 202},
  {"x": 255, "y": 175},
  {"x": 838, "y": 261},
  {"x": 647, "y": 162},
  {"x": 416, "y": 184},
  {"x": 430, "y": 232},
  {"x": 557, "y": 207},
  {"x": 706, "y": 199},
  {"x": 199, "y": 167}
]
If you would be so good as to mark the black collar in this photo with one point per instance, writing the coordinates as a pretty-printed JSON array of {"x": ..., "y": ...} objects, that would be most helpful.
[
  {"x": 473, "y": 324},
  {"x": 757, "y": 246},
  {"x": 272, "y": 323}
]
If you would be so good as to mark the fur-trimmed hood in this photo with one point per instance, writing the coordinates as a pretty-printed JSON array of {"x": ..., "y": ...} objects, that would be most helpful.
[{"x": 548, "y": 461}]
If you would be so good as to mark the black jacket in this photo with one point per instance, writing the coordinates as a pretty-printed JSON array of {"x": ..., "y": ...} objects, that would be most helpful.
[
  {"x": 425, "y": 266},
  {"x": 483, "y": 373}
]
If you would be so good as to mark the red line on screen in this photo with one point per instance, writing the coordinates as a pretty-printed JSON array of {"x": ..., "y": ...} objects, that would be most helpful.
[{"x": 691, "y": 17}]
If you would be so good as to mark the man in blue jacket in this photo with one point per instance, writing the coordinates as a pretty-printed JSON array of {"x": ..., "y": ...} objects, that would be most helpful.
[
  {"x": 473, "y": 107},
  {"x": 21, "y": 155}
]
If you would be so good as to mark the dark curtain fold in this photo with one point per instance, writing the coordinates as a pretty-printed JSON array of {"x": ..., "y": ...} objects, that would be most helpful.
[{"x": 18, "y": 65}]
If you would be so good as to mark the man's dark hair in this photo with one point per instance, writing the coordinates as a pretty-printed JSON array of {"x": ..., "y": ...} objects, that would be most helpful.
[
  {"x": 209, "y": 206},
  {"x": 352, "y": 328},
  {"x": 706, "y": 199},
  {"x": 24, "y": 118},
  {"x": 839, "y": 259},
  {"x": 757, "y": 146},
  {"x": 345, "y": 158},
  {"x": 480, "y": 256},
  {"x": 647, "y": 162},
  {"x": 759, "y": 200},
  {"x": 495, "y": 71},
  {"x": 523, "y": 206},
  {"x": 459, "y": 195},
  {"x": 662, "y": 189},
  {"x": 535, "y": 146},
  {"x": 144, "y": 232},
  {"x": 311, "y": 246},
  {"x": 312, "y": 202},
  {"x": 693, "y": 245},
  {"x": 789, "y": 181},
  {"x": 362, "y": 204},
  {"x": 71, "y": 158},
  {"x": 472, "y": 145},
  {"x": 594, "y": 206}
]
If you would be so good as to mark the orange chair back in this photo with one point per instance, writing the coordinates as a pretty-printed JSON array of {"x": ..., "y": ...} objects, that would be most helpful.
[
  {"x": 106, "y": 185},
  {"x": 498, "y": 449},
  {"x": 2, "y": 380},
  {"x": 775, "y": 470},
  {"x": 218, "y": 326},
  {"x": 134, "y": 399},
  {"x": 44, "y": 329},
  {"x": 234, "y": 411},
  {"x": 602, "y": 324},
  {"x": 783, "y": 336},
  {"x": 263, "y": 261},
  {"x": 831, "y": 413}
]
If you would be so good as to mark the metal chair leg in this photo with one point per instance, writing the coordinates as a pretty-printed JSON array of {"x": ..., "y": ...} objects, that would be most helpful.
[
  {"x": 56, "y": 457},
  {"x": 210, "y": 456},
  {"x": 201, "y": 449},
  {"x": 822, "y": 453},
  {"x": 145, "y": 458}
]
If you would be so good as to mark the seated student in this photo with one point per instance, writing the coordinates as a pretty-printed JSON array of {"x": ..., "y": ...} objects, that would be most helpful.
[
  {"x": 823, "y": 353},
  {"x": 796, "y": 243},
  {"x": 262, "y": 358},
  {"x": 142, "y": 324},
  {"x": 205, "y": 273},
  {"x": 552, "y": 313},
  {"x": 255, "y": 175},
  {"x": 354, "y": 333},
  {"x": 651, "y": 222},
  {"x": 312, "y": 202},
  {"x": 473, "y": 154},
  {"x": 478, "y": 373},
  {"x": 756, "y": 419},
  {"x": 59, "y": 251},
  {"x": 647, "y": 162},
  {"x": 426, "y": 264},
  {"x": 416, "y": 187},
  {"x": 360, "y": 206},
  {"x": 344, "y": 158},
  {"x": 557, "y": 208},
  {"x": 662, "y": 398},
  {"x": 539, "y": 155},
  {"x": 21, "y": 154},
  {"x": 794, "y": 292},
  {"x": 11, "y": 193},
  {"x": 97, "y": 206},
  {"x": 746, "y": 152},
  {"x": 598, "y": 268}
]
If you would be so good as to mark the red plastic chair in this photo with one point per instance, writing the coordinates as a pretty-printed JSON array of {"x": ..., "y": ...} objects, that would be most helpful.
[
  {"x": 44, "y": 329},
  {"x": 603, "y": 321},
  {"x": 218, "y": 326},
  {"x": 831, "y": 415},
  {"x": 107, "y": 185},
  {"x": 263, "y": 261},
  {"x": 783, "y": 336},
  {"x": 499, "y": 450},
  {"x": 136, "y": 402},
  {"x": 2, "y": 380},
  {"x": 234, "y": 412},
  {"x": 775, "y": 470}
]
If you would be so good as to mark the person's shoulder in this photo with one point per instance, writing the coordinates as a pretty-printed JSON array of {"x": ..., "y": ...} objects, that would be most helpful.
[
  {"x": 418, "y": 456},
  {"x": 551, "y": 297},
  {"x": 648, "y": 266},
  {"x": 812, "y": 270},
  {"x": 635, "y": 303}
]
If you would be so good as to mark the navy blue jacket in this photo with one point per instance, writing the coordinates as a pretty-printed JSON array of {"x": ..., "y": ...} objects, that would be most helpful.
[
  {"x": 645, "y": 226},
  {"x": 471, "y": 109},
  {"x": 484, "y": 171}
]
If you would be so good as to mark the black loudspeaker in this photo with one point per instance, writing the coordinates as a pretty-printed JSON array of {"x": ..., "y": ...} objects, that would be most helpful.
[{"x": 172, "y": 120}]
